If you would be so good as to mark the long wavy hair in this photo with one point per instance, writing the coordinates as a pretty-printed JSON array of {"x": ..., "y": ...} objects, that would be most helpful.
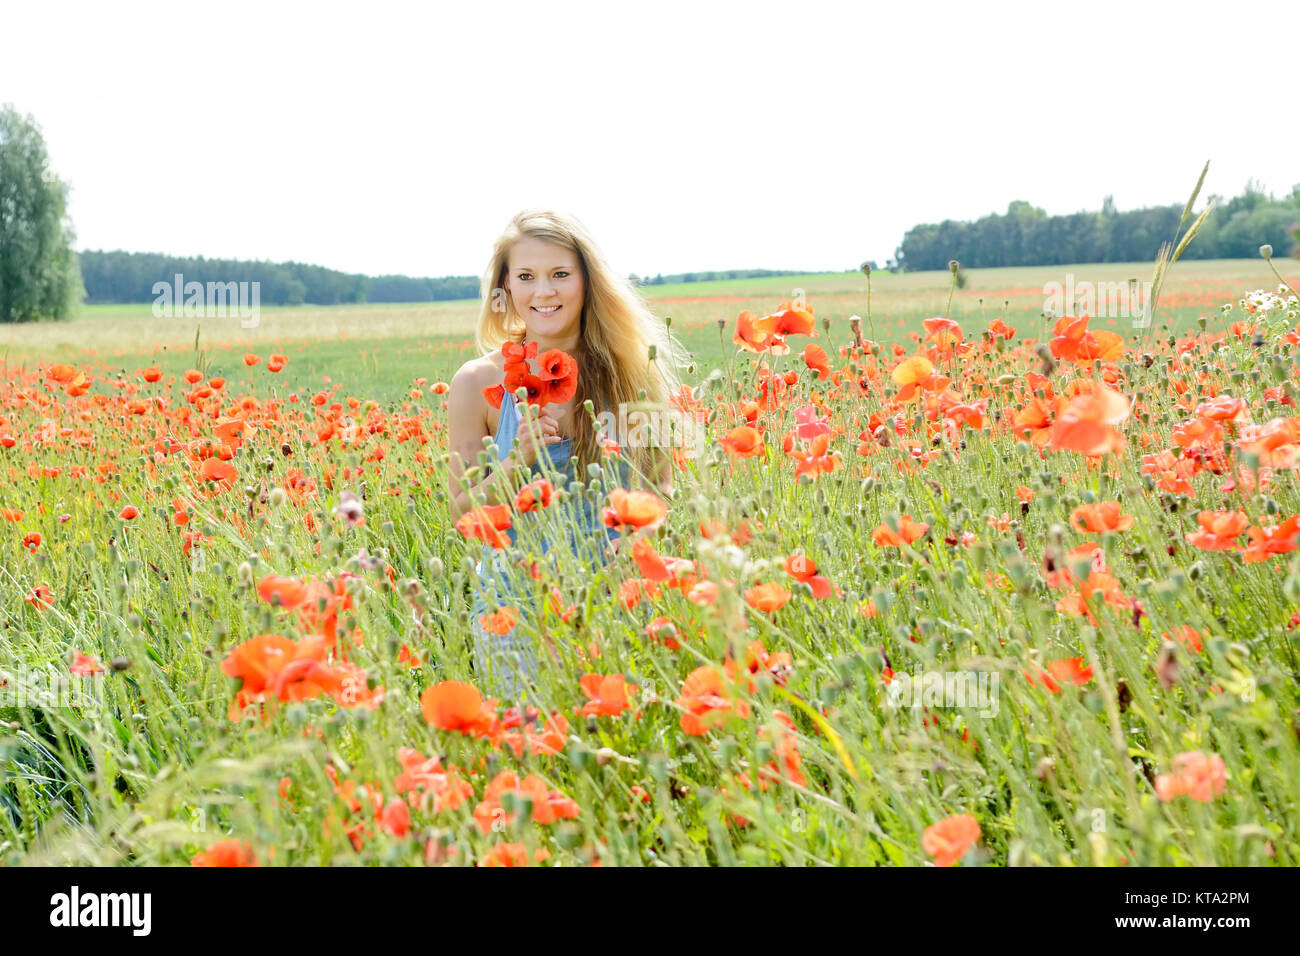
[{"x": 617, "y": 332}]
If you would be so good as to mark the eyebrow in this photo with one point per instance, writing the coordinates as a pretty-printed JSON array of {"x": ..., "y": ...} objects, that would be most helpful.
[{"x": 531, "y": 269}]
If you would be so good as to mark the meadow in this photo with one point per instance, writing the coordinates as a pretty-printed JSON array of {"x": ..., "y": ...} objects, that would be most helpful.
[
  {"x": 381, "y": 348},
  {"x": 238, "y": 542}
]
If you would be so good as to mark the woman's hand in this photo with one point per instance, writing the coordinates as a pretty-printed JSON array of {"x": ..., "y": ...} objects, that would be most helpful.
[{"x": 535, "y": 430}]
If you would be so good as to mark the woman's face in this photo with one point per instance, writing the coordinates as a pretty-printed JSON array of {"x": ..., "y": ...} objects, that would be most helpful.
[{"x": 545, "y": 284}]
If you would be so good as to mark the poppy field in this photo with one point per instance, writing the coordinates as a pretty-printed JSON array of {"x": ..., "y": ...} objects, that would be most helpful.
[{"x": 952, "y": 584}]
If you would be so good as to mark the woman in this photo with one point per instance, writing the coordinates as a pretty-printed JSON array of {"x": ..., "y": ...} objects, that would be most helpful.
[{"x": 548, "y": 283}]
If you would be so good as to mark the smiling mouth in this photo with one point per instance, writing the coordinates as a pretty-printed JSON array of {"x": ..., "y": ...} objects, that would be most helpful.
[{"x": 546, "y": 311}]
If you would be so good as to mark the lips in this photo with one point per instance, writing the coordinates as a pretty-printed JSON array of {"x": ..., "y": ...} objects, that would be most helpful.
[{"x": 546, "y": 311}]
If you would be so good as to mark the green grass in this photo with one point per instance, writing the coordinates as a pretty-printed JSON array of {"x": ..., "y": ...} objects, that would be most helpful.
[
  {"x": 161, "y": 772},
  {"x": 380, "y": 349}
]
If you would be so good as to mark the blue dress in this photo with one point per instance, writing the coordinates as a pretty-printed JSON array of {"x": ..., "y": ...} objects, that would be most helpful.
[{"x": 506, "y": 661}]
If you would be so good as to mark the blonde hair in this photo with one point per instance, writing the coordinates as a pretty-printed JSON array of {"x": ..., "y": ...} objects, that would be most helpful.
[{"x": 617, "y": 333}]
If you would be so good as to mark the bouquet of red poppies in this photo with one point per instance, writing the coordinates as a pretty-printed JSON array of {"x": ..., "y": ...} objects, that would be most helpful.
[{"x": 555, "y": 381}]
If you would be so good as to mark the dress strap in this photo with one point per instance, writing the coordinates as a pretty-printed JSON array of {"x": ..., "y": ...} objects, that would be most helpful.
[{"x": 507, "y": 427}]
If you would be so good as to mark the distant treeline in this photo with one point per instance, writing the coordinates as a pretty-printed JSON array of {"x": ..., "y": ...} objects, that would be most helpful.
[
  {"x": 130, "y": 277},
  {"x": 714, "y": 276},
  {"x": 1027, "y": 236}
]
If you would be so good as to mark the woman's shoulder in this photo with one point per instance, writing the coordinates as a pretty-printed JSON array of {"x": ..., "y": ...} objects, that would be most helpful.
[
  {"x": 468, "y": 385},
  {"x": 479, "y": 373}
]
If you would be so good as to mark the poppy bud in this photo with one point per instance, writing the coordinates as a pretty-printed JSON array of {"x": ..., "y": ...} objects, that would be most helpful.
[
  {"x": 1167, "y": 666},
  {"x": 244, "y": 573},
  {"x": 579, "y": 757},
  {"x": 653, "y": 351},
  {"x": 277, "y": 497},
  {"x": 119, "y": 663},
  {"x": 435, "y": 567},
  {"x": 1266, "y": 251}
]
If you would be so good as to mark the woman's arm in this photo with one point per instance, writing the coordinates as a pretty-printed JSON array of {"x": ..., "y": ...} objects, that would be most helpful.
[
  {"x": 664, "y": 476},
  {"x": 466, "y": 429}
]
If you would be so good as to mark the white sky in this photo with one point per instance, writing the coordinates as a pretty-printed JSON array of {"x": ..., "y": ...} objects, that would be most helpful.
[{"x": 385, "y": 138}]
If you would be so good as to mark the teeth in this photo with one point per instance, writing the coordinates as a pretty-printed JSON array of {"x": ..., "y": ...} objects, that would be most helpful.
[{"x": 548, "y": 309}]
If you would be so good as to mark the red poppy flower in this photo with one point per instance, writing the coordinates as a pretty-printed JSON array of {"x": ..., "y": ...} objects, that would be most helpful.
[
  {"x": 767, "y": 597},
  {"x": 282, "y": 592},
  {"x": 39, "y": 597},
  {"x": 1088, "y": 423},
  {"x": 84, "y": 665},
  {"x": 743, "y": 442},
  {"x": 1199, "y": 776},
  {"x": 606, "y": 695},
  {"x": 454, "y": 705},
  {"x": 949, "y": 839},
  {"x": 907, "y": 533},
  {"x": 559, "y": 371},
  {"x": 1219, "y": 530},
  {"x": 635, "y": 509},
  {"x": 815, "y": 358},
  {"x": 534, "y": 496},
  {"x": 501, "y": 621},
  {"x": 1099, "y": 518},
  {"x": 488, "y": 523},
  {"x": 226, "y": 853},
  {"x": 707, "y": 701}
]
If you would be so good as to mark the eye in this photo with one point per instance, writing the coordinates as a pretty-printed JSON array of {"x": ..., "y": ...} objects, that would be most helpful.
[
  {"x": 523, "y": 276},
  {"x": 561, "y": 274}
]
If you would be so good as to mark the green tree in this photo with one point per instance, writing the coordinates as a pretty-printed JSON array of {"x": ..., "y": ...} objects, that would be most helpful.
[{"x": 39, "y": 274}]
